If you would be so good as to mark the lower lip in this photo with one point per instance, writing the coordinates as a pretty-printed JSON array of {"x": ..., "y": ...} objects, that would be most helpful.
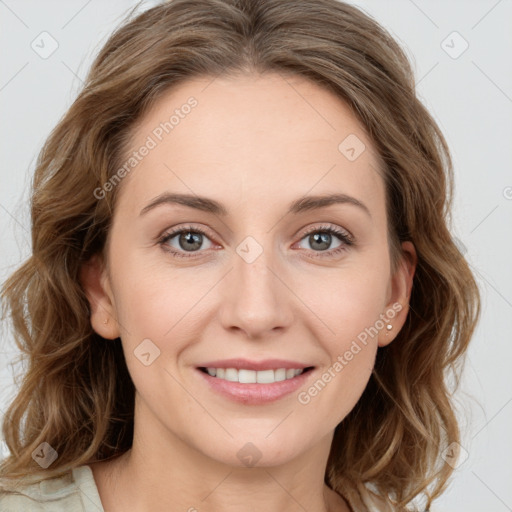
[{"x": 255, "y": 394}]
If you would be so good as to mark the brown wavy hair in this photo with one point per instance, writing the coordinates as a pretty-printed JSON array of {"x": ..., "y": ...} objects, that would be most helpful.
[{"x": 76, "y": 393}]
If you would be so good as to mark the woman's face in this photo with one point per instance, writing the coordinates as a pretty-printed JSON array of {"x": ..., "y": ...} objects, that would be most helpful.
[{"x": 259, "y": 278}]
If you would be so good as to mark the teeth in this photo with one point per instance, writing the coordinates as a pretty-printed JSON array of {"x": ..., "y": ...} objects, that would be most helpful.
[
  {"x": 247, "y": 376},
  {"x": 231, "y": 374},
  {"x": 280, "y": 374},
  {"x": 251, "y": 376},
  {"x": 265, "y": 377}
]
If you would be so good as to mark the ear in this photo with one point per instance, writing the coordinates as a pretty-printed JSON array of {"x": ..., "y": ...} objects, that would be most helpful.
[
  {"x": 401, "y": 286},
  {"x": 96, "y": 284}
]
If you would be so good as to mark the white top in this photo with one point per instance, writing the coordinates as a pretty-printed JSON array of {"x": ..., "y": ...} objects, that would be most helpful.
[{"x": 76, "y": 491}]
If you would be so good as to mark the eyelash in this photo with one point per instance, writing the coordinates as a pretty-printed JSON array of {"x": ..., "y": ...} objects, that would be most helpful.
[{"x": 347, "y": 240}]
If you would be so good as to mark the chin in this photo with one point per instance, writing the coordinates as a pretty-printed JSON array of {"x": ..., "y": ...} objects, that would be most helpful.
[{"x": 256, "y": 451}]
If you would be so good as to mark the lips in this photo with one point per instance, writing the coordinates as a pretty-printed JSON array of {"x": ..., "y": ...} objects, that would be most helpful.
[
  {"x": 254, "y": 382},
  {"x": 246, "y": 364}
]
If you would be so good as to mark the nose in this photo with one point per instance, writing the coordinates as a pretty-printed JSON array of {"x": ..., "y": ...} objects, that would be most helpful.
[{"x": 255, "y": 297}]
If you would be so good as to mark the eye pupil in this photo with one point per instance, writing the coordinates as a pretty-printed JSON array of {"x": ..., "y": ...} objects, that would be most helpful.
[
  {"x": 195, "y": 239},
  {"x": 324, "y": 239}
]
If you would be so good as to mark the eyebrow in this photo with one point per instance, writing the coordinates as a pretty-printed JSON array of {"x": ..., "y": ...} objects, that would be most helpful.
[{"x": 205, "y": 204}]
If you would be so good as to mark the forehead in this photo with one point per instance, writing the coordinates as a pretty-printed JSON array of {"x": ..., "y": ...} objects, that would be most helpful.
[{"x": 250, "y": 138}]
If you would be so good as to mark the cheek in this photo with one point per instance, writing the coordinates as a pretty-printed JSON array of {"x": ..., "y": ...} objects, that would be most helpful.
[
  {"x": 348, "y": 301},
  {"x": 341, "y": 385},
  {"x": 349, "y": 305},
  {"x": 343, "y": 377},
  {"x": 155, "y": 303}
]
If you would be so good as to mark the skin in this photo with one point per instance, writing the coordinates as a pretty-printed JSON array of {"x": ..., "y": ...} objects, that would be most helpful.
[{"x": 255, "y": 144}]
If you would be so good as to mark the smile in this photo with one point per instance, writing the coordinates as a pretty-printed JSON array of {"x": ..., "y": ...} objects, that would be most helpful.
[
  {"x": 246, "y": 376},
  {"x": 254, "y": 383}
]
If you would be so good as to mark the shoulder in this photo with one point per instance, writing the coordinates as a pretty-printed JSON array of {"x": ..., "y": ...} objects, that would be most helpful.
[{"x": 75, "y": 491}]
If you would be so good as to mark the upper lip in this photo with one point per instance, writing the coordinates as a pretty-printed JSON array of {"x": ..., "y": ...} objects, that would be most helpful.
[{"x": 266, "y": 364}]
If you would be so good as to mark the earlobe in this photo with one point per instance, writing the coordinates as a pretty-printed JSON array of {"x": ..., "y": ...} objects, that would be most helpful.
[
  {"x": 96, "y": 285},
  {"x": 401, "y": 285}
]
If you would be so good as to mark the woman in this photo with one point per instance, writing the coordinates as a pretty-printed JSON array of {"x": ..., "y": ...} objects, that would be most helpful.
[{"x": 243, "y": 290}]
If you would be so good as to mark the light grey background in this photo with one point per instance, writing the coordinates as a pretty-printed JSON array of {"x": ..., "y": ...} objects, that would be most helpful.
[{"x": 470, "y": 97}]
